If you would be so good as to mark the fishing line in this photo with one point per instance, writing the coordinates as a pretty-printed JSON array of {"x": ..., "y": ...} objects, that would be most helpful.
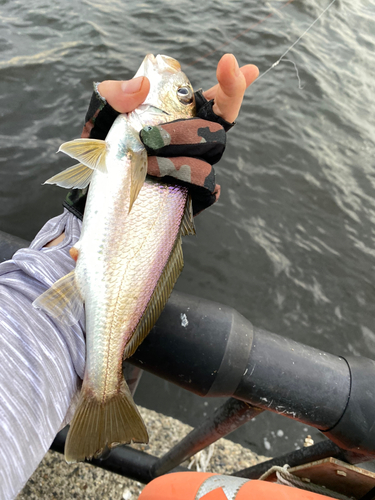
[
  {"x": 295, "y": 43},
  {"x": 271, "y": 14},
  {"x": 300, "y": 86}
]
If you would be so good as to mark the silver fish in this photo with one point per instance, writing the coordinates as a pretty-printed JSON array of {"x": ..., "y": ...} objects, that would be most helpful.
[{"x": 129, "y": 257}]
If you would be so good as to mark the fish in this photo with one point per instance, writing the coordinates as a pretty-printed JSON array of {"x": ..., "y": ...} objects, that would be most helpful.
[{"x": 128, "y": 258}]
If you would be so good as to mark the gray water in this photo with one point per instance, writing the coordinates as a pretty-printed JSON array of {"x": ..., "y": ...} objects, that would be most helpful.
[{"x": 290, "y": 244}]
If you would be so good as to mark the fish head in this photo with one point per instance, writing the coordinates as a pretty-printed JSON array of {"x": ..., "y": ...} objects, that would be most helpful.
[{"x": 171, "y": 96}]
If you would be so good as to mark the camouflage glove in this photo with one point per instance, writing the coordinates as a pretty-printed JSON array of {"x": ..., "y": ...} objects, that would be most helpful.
[{"x": 184, "y": 150}]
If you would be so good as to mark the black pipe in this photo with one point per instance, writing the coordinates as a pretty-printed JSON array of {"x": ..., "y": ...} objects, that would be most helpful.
[
  {"x": 295, "y": 380},
  {"x": 227, "y": 418},
  {"x": 212, "y": 350},
  {"x": 10, "y": 244},
  {"x": 356, "y": 429},
  {"x": 122, "y": 460}
]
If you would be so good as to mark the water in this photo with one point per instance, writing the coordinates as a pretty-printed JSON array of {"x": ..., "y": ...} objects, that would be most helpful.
[{"x": 290, "y": 244}]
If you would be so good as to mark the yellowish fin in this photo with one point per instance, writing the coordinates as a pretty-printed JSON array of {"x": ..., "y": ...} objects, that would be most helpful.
[
  {"x": 187, "y": 224},
  {"x": 138, "y": 174},
  {"x": 99, "y": 424},
  {"x": 158, "y": 300},
  {"x": 62, "y": 301},
  {"x": 90, "y": 152},
  {"x": 76, "y": 177}
]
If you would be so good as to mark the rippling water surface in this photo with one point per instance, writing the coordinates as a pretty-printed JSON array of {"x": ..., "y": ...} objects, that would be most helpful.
[{"x": 290, "y": 244}]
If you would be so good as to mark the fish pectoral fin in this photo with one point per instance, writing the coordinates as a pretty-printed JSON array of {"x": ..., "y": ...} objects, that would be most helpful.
[
  {"x": 90, "y": 152},
  {"x": 138, "y": 173},
  {"x": 76, "y": 177},
  {"x": 62, "y": 301},
  {"x": 98, "y": 424},
  {"x": 159, "y": 298},
  {"x": 187, "y": 224}
]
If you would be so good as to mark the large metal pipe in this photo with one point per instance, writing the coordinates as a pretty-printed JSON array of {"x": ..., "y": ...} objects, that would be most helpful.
[{"x": 212, "y": 350}]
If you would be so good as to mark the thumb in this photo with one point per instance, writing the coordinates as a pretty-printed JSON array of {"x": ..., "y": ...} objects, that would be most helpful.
[
  {"x": 125, "y": 96},
  {"x": 231, "y": 88},
  {"x": 229, "y": 92}
]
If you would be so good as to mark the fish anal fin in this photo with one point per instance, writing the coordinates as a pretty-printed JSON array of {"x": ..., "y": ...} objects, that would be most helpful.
[
  {"x": 62, "y": 301},
  {"x": 90, "y": 152},
  {"x": 77, "y": 177},
  {"x": 187, "y": 223},
  {"x": 138, "y": 174},
  {"x": 98, "y": 424},
  {"x": 159, "y": 298}
]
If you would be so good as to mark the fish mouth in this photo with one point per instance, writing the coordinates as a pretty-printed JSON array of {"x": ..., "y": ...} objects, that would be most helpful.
[
  {"x": 149, "y": 108},
  {"x": 157, "y": 64},
  {"x": 162, "y": 63}
]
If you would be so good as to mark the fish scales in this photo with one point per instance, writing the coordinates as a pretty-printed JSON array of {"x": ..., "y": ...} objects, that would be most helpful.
[
  {"x": 128, "y": 258},
  {"x": 144, "y": 241}
]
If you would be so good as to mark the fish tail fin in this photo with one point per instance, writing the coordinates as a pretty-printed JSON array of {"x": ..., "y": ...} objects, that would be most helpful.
[{"x": 98, "y": 425}]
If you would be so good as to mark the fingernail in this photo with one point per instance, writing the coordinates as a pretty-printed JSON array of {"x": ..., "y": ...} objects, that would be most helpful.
[
  {"x": 132, "y": 86},
  {"x": 236, "y": 68}
]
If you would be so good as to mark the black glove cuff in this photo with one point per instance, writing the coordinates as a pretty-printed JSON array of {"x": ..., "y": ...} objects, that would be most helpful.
[
  {"x": 99, "y": 117},
  {"x": 204, "y": 110}
]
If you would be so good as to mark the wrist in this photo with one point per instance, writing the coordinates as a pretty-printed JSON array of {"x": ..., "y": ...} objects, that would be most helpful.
[{"x": 205, "y": 111}]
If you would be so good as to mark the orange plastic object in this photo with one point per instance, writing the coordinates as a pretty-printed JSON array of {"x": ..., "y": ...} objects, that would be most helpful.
[
  {"x": 178, "y": 485},
  {"x": 185, "y": 486}
]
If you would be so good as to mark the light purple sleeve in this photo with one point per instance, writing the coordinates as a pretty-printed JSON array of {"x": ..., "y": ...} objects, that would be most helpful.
[{"x": 41, "y": 361}]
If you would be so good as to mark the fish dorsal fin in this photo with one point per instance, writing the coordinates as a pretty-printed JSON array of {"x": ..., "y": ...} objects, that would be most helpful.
[
  {"x": 62, "y": 301},
  {"x": 163, "y": 289},
  {"x": 90, "y": 152},
  {"x": 76, "y": 177},
  {"x": 138, "y": 174},
  {"x": 187, "y": 223}
]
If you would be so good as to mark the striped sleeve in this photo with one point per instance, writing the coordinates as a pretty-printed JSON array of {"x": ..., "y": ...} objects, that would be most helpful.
[{"x": 41, "y": 362}]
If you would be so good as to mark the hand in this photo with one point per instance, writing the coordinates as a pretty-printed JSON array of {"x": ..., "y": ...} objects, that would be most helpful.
[
  {"x": 125, "y": 96},
  {"x": 228, "y": 93}
]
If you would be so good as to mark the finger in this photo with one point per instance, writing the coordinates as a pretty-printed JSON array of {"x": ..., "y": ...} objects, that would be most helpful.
[
  {"x": 233, "y": 81},
  {"x": 250, "y": 72},
  {"x": 125, "y": 96}
]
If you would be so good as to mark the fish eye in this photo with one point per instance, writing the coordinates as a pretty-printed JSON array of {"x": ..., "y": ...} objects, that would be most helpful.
[{"x": 185, "y": 95}]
